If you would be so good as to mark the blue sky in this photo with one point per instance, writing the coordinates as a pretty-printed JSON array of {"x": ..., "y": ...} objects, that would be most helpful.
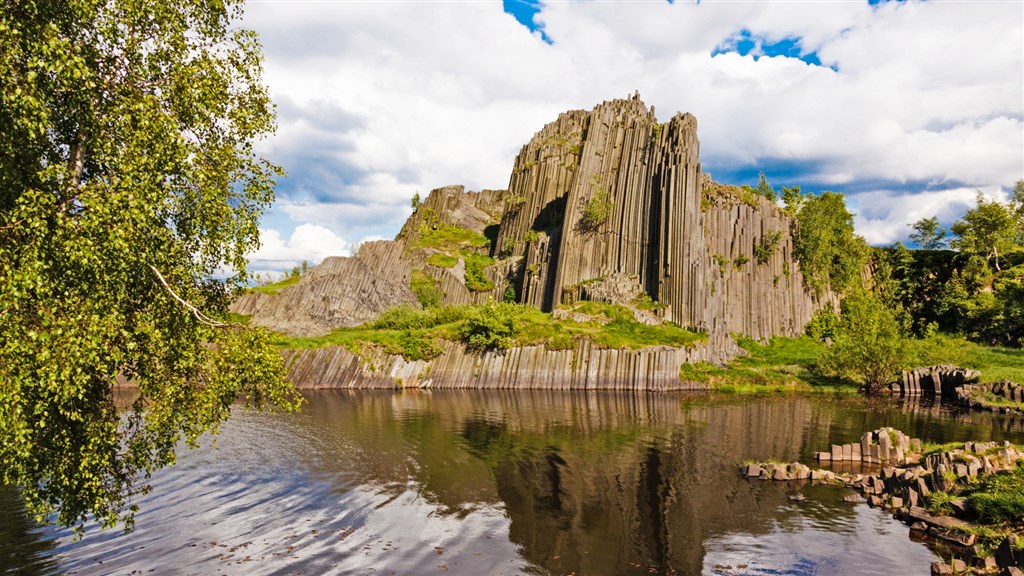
[{"x": 909, "y": 108}]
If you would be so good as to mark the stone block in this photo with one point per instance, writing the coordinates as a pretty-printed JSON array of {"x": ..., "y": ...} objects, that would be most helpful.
[
  {"x": 1008, "y": 553},
  {"x": 837, "y": 452},
  {"x": 941, "y": 569},
  {"x": 824, "y": 456},
  {"x": 896, "y": 502},
  {"x": 847, "y": 452},
  {"x": 753, "y": 470},
  {"x": 913, "y": 499},
  {"x": 960, "y": 470}
]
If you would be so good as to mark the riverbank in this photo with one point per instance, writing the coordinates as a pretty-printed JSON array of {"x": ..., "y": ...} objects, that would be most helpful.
[{"x": 969, "y": 496}]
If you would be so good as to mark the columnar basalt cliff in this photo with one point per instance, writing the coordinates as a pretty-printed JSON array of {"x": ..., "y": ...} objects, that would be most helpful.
[
  {"x": 613, "y": 191},
  {"x": 600, "y": 204}
]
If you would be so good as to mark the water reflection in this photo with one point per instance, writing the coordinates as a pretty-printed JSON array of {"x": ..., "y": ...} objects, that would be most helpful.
[{"x": 483, "y": 482}]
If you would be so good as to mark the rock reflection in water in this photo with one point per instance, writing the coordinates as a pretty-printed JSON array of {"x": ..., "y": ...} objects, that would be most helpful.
[{"x": 485, "y": 482}]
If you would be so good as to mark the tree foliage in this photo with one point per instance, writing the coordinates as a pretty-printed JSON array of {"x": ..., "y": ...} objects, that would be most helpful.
[
  {"x": 869, "y": 347},
  {"x": 127, "y": 181},
  {"x": 491, "y": 326},
  {"x": 830, "y": 255},
  {"x": 765, "y": 189},
  {"x": 988, "y": 230},
  {"x": 928, "y": 234}
]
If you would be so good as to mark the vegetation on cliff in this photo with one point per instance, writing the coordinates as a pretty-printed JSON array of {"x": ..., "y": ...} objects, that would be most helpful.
[
  {"x": 128, "y": 182},
  {"x": 416, "y": 334}
]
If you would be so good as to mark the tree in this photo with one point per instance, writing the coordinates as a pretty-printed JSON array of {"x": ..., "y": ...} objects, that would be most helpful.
[
  {"x": 928, "y": 234},
  {"x": 792, "y": 199},
  {"x": 829, "y": 253},
  {"x": 987, "y": 230},
  {"x": 127, "y": 183},
  {"x": 869, "y": 347},
  {"x": 765, "y": 189}
]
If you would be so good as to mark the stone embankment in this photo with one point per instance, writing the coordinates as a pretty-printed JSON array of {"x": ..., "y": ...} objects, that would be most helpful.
[
  {"x": 942, "y": 379},
  {"x": 1004, "y": 396},
  {"x": 906, "y": 485},
  {"x": 583, "y": 367}
]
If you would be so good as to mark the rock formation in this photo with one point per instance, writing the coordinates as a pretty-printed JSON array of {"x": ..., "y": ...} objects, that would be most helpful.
[{"x": 605, "y": 205}]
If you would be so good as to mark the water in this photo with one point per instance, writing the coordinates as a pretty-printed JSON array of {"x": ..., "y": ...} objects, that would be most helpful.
[{"x": 480, "y": 483}]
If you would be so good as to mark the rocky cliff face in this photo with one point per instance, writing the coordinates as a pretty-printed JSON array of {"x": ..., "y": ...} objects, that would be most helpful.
[
  {"x": 600, "y": 203},
  {"x": 612, "y": 191}
]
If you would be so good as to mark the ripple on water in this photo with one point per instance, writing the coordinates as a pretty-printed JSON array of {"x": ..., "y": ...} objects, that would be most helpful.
[{"x": 490, "y": 483}]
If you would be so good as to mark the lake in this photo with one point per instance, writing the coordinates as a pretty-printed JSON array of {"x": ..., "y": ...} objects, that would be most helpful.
[{"x": 527, "y": 482}]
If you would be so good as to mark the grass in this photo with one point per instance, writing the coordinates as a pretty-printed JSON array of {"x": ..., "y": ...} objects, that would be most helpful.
[
  {"x": 442, "y": 260},
  {"x": 453, "y": 242},
  {"x": 448, "y": 238},
  {"x": 417, "y": 334},
  {"x": 999, "y": 499},
  {"x": 781, "y": 365},
  {"x": 995, "y": 363},
  {"x": 271, "y": 289}
]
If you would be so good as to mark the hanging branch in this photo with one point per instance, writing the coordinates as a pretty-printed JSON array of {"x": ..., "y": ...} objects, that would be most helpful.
[{"x": 195, "y": 311}]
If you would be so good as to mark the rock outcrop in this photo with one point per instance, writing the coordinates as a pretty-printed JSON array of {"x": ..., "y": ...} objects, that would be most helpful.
[
  {"x": 942, "y": 379},
  {"x": 607, "y": 205},
  {"x": 338, "y": 292},
  {"x": 1004, "y": 396},
  {"x": 582, "y": 367},
  {"x": 612, "y": 191}
]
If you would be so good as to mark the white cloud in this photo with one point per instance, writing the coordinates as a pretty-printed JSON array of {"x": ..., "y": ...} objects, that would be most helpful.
[
  {"x": 308, "y": 242},
  {"x": 381, "y": 100}
]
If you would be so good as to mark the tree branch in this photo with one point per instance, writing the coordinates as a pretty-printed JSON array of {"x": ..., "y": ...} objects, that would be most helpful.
[{"x": 203, "y": 318}]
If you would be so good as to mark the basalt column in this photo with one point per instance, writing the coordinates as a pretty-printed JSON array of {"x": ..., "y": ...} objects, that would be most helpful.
[
  {"x": 679, "y": 269},
  {"x": 607, "y": 224}
]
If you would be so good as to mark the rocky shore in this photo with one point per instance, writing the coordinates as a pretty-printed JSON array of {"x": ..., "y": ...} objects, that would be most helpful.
[
  {"x": 924, "y": 491},
  {"x": 1004, "y": 396}
]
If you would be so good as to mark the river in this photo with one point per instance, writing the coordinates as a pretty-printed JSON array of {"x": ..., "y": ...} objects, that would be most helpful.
[{"x": 488, "y": 483}]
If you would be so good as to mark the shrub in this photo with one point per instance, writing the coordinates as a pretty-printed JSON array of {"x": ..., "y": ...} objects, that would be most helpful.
[
  {"x": 823, "y": 325},
  {"x": 492, "y": 326},
  {"x": 425, "y": 288},
  {"x": 403, "y": 317},
  {"x": 476, "y": 279},
  {"x": 767, "y": 246},
  {"x": 598, "y": 209},
  {"x": 870, "y": 348}
]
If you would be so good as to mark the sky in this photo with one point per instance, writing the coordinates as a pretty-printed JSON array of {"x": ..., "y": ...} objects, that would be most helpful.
[{"x": 909, "y": 108}]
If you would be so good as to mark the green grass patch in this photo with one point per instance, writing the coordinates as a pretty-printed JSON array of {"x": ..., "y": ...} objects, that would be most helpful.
[
  {"x": 425, "y": 287},
  {"x": 995, "y": 363},
  {"x": 999, "y": 499},
  {"x": 417, "y": 334},
  {"x": 476, "y": 278},
  {"x": 929, "y": 448},
  {"x": 442, "y": 260},
  {"x": 781, "y": 365},
  {"x": 449, "y": 238},
  {"x": 271, "y": 289}
]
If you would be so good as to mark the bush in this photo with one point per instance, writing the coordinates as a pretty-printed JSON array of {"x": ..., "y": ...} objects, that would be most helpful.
[
  {"x": 476, "y": 279},
  {"x": 491, "y": 326},
  {"x": 598, "y": 209},
  {"x": 823, "y": 325},
  {"x": 404, "y": 317},
  {"x": 767, "y": 246},
  {"x": 870, "y": 348},
  {"x": 425, "y": 288}
]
